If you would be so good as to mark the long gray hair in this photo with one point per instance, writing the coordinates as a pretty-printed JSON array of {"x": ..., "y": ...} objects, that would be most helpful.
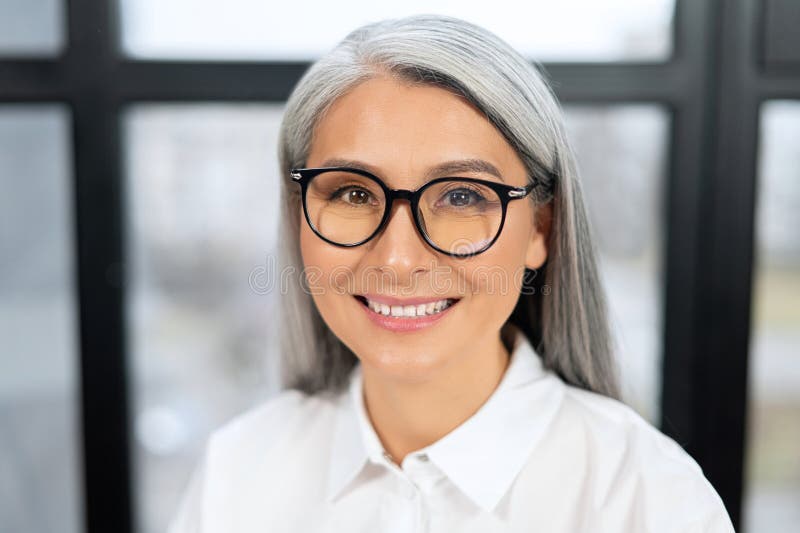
[{"x": 562, "y": 308}]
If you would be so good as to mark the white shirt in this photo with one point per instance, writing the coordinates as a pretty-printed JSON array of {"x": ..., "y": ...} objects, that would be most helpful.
[{"x": 539, "y": 456}]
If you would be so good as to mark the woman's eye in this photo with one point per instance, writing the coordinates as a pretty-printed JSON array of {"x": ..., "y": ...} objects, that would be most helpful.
[
  {"x": 353, "y": 196},
  {"x": 462, "y": 197}
]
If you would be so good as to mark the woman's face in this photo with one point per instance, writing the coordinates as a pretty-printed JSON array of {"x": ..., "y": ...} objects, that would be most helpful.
[{"x": 399, "y": 132}]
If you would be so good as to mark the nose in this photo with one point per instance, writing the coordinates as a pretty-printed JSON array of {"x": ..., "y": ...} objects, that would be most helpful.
[{"x": 399, "y": 248}]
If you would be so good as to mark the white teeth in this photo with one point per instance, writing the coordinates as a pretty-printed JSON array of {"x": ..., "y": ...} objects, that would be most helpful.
[{"x": 417, "y": 310}]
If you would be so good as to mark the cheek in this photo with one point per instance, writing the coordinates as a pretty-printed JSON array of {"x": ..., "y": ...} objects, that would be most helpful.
[
  {"x": 313, "y": 260},
  {"x": 328, "y": 270},
  {"x": 494, "y": 277},
  {"x": 494, "y": 285},
  {"x": 308, "y": 248}
]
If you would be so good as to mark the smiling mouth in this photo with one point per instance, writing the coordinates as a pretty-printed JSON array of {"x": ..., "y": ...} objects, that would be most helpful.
[{"x": 431, "y": 308}]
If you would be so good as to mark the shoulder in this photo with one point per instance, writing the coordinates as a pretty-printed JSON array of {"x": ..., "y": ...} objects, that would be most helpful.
[
  {"x": 272, "y": 450},
  {"x": 261, "y": 455},
  {"x": 613, "y": 424},
  {"x": 274, "y": 423},
  {"x": 638, "y": 468}
]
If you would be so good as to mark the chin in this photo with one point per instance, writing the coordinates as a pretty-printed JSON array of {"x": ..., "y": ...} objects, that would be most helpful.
[{"x": 397, "y": 360}]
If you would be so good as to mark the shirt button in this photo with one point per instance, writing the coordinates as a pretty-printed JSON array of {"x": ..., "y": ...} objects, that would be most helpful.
[{"x": 423, "y": 457}]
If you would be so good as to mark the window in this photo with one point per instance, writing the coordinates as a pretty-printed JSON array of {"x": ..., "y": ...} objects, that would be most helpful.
[
  {"x": 39, "y": 450},
  {"x": 618, "y": 30},
  {"x": 773, "y": 463},
  {"x": 31, "y": 28},
  {"x": 673, "y": 101},
  {"x": 621, "y": 151},
  {"x": 202, "y": 183}
]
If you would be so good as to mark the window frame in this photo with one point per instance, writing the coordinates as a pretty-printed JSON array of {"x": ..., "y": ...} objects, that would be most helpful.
[{"x": 714, "y": 84}]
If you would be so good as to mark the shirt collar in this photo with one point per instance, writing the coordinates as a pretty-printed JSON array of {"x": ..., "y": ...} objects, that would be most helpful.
[{"x": 483, "y": 455}]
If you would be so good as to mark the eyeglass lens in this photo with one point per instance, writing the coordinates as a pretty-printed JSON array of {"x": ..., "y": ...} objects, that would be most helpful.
[{"x": 457, "y": 216}]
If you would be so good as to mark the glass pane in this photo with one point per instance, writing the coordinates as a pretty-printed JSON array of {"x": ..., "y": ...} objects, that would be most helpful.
[
  {"x": 772, "y": 490},
  {"x": 570, "y": 30},
  {"x": 31, "y": 28},
  {"x": 203, "y": 201},
  {"x": 621, "y": 151},
  {"x": 40, "y": 484}
]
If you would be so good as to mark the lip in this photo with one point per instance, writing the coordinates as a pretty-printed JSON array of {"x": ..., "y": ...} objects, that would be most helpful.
[{"x": 403, "y": 324}]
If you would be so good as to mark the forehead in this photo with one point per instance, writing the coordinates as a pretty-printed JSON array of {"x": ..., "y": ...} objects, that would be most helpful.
[{"x": 408, "y": 128}]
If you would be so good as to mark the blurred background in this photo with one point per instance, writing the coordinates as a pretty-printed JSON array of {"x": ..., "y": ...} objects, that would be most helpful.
[{"x": 138, "y": 212}]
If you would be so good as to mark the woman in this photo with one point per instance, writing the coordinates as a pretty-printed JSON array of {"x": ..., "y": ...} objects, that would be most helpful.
[{"x": 447, "y": 360}]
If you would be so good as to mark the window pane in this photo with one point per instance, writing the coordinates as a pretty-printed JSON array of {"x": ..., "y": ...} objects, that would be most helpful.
[
  {"x": 31, "y": 27},
  {"x": 570, "y": 30},
  {"x": 203, "y": 193},
  {"x": 773, "y": 464},
  {"x": 40, "y": 488},
  {"x": 621, "y": 151}
]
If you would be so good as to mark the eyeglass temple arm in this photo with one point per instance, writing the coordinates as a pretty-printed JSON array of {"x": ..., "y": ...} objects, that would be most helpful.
[{"x": 520, "y": 192}]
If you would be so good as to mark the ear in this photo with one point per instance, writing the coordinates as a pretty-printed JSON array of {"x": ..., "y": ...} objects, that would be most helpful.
[{"x": 536, "y": 253}]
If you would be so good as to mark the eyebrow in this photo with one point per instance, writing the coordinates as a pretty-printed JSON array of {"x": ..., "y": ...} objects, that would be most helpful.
[{"x": 446, "y": 168}]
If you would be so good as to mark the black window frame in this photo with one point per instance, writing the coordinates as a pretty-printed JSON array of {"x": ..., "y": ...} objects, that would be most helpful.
[{"x": 725, "y": 64}]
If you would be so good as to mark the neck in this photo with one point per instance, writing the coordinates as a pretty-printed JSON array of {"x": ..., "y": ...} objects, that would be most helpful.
[{"x": 409, "y": 416}]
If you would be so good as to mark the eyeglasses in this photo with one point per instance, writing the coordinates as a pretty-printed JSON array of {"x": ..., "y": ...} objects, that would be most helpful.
[{"x": 459, "y": 217}]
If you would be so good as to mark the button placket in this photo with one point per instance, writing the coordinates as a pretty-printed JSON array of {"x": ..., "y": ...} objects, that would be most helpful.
[
  {"x": 414, "y": 474},
  {"x": 415, "y": 500},
  {"x": 410, "y": 491},
  {"x": 423, "y": 474}
]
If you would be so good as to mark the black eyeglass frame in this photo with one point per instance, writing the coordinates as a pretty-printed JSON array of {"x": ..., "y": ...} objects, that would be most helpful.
[{"x": 506, "y": 193}]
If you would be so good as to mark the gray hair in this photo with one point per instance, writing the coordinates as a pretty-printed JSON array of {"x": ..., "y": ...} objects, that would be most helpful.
[{"x": 563, "y": 311}]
